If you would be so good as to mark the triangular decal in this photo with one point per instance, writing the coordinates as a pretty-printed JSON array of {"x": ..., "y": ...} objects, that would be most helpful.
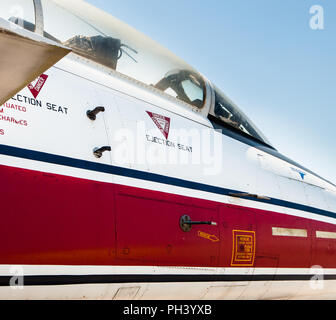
[
  {"x": 163, "y": 123},
  {"x": 36, "y": 89}
]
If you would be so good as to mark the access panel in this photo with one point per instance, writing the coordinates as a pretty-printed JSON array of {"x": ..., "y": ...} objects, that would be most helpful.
[{"x": 149, "y": 230}]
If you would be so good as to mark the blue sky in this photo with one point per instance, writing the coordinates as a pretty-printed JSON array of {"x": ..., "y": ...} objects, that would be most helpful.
[{"x": 264, "y": 56}]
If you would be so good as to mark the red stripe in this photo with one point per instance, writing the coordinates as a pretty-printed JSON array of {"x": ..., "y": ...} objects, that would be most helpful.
[{"x": 57, "y": 220}]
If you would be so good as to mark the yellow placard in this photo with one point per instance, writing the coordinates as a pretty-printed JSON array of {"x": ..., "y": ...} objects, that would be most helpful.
[{"x": 243, "y": 252}]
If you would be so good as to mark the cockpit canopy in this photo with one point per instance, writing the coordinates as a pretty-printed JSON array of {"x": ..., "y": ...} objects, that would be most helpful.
[{"x": 100, "y": 37}]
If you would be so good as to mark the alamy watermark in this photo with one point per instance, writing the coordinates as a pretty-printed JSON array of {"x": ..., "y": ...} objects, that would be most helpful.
[
  {"x": 316, "y": 21},
  {"x": 202, "y": 148},
  {"x": 317, "y": 280},
  {"x": 16, "y": 282}
]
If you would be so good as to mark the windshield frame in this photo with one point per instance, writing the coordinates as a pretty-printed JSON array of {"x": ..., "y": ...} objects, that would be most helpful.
[{"x": 215, "y": 120}]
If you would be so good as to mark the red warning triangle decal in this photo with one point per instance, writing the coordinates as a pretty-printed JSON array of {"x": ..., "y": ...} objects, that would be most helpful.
[
  {"x": 163, "y": 123},
  {"x": 35, "y": 89}
]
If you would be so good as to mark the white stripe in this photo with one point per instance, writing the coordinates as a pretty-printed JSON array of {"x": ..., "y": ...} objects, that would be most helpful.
[
  {"x": 40, "y": 166},
  {"x": 325, "y": 235},
  {"x": 285, "y": 232},
  {"x": 44, "y": 270},
  {"x": 314, "y": 270}
]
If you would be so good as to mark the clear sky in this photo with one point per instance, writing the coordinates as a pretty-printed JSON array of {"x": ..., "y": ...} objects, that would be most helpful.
[{"x": 264, "y": 56}]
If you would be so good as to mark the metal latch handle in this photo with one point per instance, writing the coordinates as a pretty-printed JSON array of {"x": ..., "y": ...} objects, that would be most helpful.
[
  {"x": 92, "y": 114},
  {"x": 186, "y": 223},
  {"x": 98, "y": 152}
]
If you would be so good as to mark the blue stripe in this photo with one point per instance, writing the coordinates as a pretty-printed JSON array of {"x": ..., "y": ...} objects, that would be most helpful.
[{"x": 147, "y": 176}]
